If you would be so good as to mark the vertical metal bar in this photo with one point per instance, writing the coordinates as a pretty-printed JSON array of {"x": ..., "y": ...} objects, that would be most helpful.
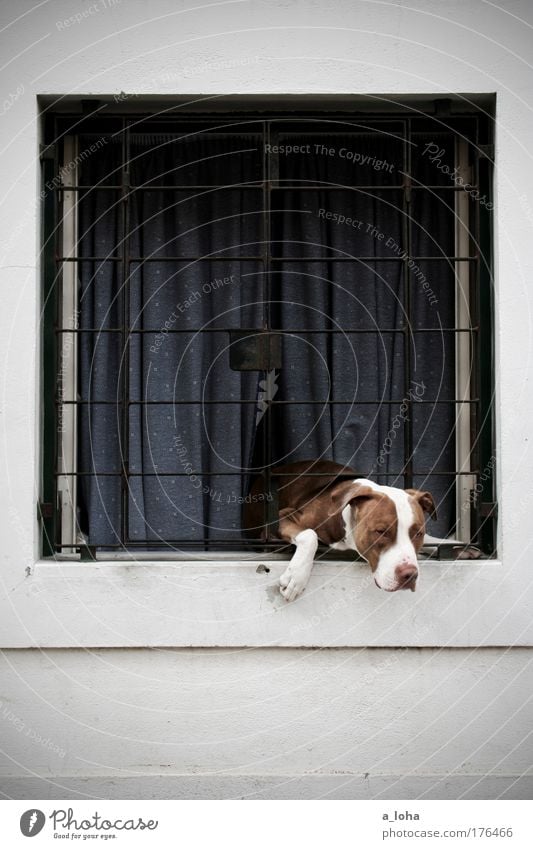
[
  {"x": 407, "y": 236},
  {"x": 58, "y": 210},
  {"x": 125, "y": 335},
  {"x": 267, "y": 294},
  {"x": 57, "y": 206},
  {"x": 463, "y": 439},
  {"x": 482, "y": 425},
  {"x": 50, "y": 222},
  {"x": 68, "y": 359},
  {"x": 475, "y": 417}
]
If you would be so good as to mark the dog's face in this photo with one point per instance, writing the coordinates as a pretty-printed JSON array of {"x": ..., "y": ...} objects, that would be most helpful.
[{"x": 388, "y": 526}]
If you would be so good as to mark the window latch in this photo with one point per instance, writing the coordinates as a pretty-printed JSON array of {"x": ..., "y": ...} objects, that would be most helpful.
[
  {"x": 488, "y": 510},
  {"x": 486, "y": 151},
  {"x": 47, "y": 152},
  {"x": 45, "y": 510},
  {"x": 254, "y": 350}
]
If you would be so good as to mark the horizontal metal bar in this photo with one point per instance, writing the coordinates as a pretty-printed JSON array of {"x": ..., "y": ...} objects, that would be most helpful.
[
  {"x": 238, "y": 545},
  {"x": 360, "y": 120},
  {"x": 422, "y": 473},
  {"x": 397, "y": 187},
  {"x": 354, "y": 402},
  {"x": 376, "y": 259},
  {"x": 140, "y": 259},
  {"x": 251, "y": 546},
  {"x": 101, "y": 259},
  {"x": 276, "y": 185},
  {"x": 97, "y": 187},
  {"x": 257, "y": 258},
  {"x": 281, "y": 330},
  {"x": 352, "y": 122}
]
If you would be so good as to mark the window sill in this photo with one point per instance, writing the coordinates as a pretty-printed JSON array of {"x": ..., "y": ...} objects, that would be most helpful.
[{"x": 229, "y": 604}]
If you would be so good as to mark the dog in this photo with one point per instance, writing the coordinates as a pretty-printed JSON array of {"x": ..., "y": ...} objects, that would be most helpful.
[{"x": 319, "y": 502}]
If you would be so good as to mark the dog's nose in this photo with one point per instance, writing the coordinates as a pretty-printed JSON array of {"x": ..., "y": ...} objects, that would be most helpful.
[{"x": 406, "y": 575}]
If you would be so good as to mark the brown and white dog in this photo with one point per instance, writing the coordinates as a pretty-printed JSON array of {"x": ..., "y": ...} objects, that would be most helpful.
[{"x": 383, "y": 524}]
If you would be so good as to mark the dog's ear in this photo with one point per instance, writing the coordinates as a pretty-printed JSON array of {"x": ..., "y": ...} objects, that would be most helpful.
[
  {"x": 345, "y": 493},
  {"x": 425, "y": 499}
]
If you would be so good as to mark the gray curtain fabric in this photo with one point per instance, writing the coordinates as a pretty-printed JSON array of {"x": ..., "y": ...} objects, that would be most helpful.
[{"x": 182, "y": 292}]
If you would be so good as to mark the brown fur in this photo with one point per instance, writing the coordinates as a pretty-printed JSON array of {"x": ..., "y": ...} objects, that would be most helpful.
[
  {"x": 300, "y": 495},
  {"x": 317, "y": 502}
]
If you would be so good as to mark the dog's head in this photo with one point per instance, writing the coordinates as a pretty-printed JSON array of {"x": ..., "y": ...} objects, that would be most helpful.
[{"x": 387, "y": 525}]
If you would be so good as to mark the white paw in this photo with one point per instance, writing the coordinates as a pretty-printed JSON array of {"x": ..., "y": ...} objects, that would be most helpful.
[{"x": 293, "y": 582}]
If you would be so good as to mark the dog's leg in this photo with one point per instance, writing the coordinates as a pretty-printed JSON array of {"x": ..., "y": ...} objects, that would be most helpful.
[
  {"x": 296, "y": 576},
  {"x": 463, "y": 551}
]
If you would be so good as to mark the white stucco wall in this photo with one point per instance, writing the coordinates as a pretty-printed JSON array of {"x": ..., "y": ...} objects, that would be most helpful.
[
  {"x": 332, "y": 723},
  {"x": 284, "y": 720}
]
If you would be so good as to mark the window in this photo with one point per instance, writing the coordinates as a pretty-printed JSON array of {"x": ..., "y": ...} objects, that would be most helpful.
[{"x": 227, "y": 293}]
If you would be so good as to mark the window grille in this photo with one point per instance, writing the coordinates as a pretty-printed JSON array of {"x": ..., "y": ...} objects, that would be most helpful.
[{"x": 339, "y": 165}]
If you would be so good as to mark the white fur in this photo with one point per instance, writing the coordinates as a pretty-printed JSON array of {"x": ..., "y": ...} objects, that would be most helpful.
[
  {"x": 296, "y": 576},
  {"x": 403, "y": 551}
]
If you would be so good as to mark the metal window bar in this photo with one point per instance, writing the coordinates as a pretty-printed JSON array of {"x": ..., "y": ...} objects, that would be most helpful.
[
  {"x": 466, "y": 260},
  {"x": 463, "y": 444},
  {"x": 408, "y": 248},
  {"x": 68, "y": 357},
  {"x": 125, "y": 341}
]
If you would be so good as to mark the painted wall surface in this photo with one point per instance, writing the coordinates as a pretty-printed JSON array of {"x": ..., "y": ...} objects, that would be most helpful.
[
  {"x": 336, "y": 723},
  {"x": 278, "y": 721}
]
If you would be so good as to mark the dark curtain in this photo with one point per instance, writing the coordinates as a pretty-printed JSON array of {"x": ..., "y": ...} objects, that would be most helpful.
[
  {"x": 389, "y": 378},
  {"x": 182, "y": 292},
  {"x": 178, "y": 279}
]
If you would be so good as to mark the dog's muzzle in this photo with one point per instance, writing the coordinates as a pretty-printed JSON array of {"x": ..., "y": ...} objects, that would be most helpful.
[{"x": 405, "y": 577}]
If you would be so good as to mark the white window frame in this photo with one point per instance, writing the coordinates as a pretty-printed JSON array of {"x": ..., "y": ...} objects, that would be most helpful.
[{"x": 49, "y": 603}]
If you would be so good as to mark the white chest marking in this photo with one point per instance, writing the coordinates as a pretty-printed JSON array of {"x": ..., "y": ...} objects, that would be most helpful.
[{"x": 348, "y": 543}]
